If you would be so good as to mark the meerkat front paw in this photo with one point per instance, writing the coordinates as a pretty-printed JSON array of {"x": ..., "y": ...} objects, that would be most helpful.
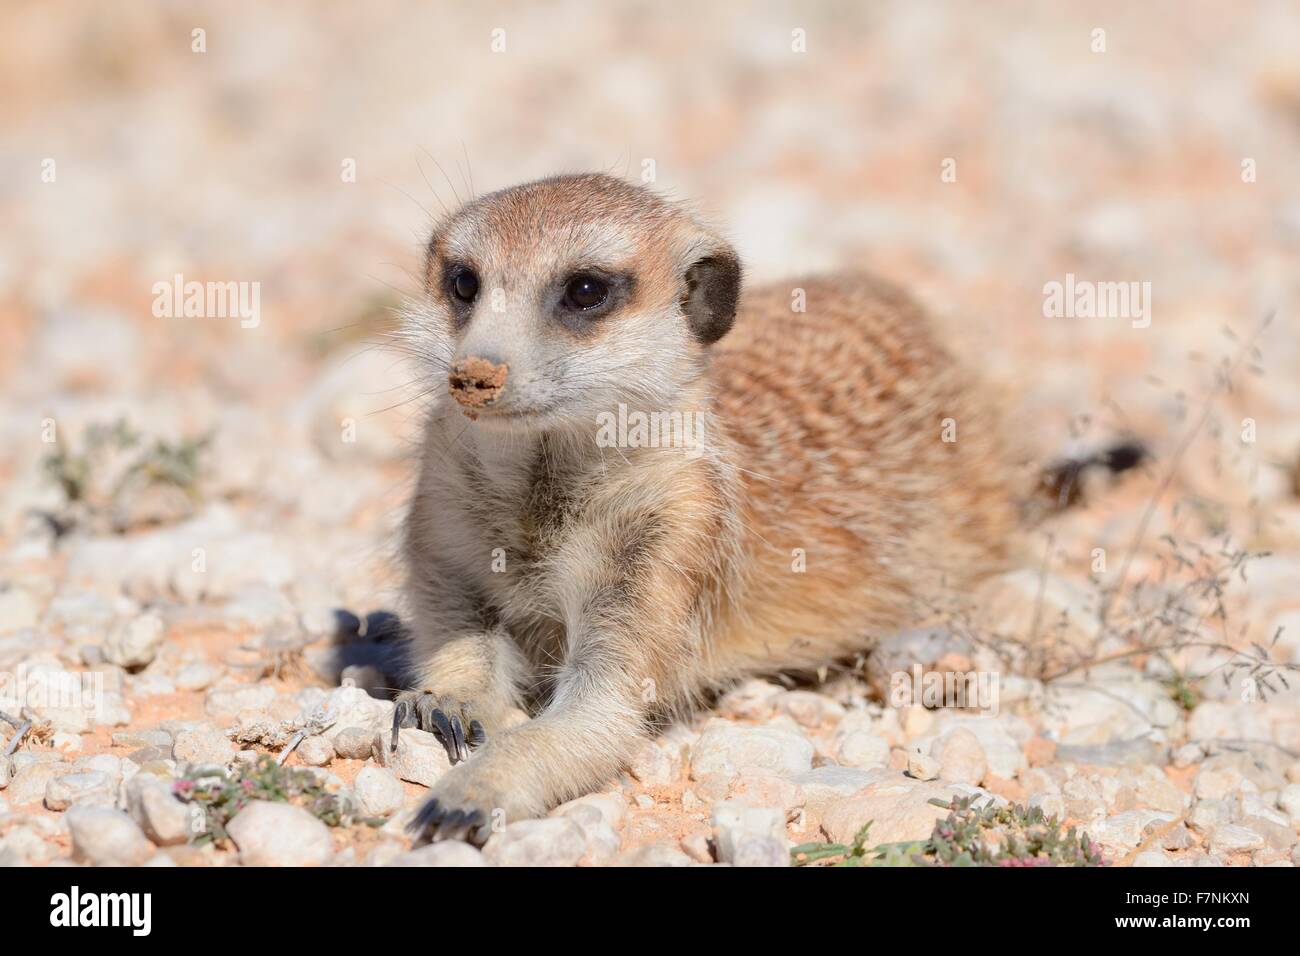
[
  {"x": 452, "y": 721},
  {"x": 469, "y": 803}
]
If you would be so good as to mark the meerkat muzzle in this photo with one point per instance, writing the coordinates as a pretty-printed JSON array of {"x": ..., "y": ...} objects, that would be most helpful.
[{"x": 476, "y": 382}]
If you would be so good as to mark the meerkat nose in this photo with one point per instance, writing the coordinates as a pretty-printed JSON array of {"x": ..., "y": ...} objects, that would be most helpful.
[{"x": 477, "y": 382}]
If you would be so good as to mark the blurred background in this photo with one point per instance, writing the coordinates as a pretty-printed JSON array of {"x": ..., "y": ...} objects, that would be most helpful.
[{"x": 974, "y": 152}]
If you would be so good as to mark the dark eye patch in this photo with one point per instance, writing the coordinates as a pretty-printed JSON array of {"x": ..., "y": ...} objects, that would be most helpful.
[
  {"x": 462, "y": 286},
  {"x": 584, "y": 296}
]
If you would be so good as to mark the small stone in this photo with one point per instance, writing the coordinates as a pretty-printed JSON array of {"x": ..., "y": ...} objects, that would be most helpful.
[
  {"x": 1179, "y": 838},
  {"x": 1109, "y": 710},
  {"x": 763, "y": 788},
  {"x": 106, "y": 837},
  {"x": 922, "y": 767},
  {"x": 750, "y": 836},
  {"x": 1125, "y": 831},
  {"x": 1209, "y": 814},
  {"x": 899, "y": 809},
  {"x": 315, "y": 751},
  {"x": 66, "y": 743},
  {"x": 752, "y": 700},
  {"x": 1139, "y": 752},
  {"x": 420, "y": 756},
  {"x": 165, "y": 819},
  {"x": 1232, "y": 838},
  {"x": 654, "y": 854},
  {"x": 225, "y": 702},
  {"x": 1216, "y": 781},
  {"x": 961, "y": 758},
  {"x": 1152, "y": 858},
  {"x": 823, "y": 784},
  {"x": 1188, "y": 755},
  {"x": 446, "y": 853},
  {"x": 91, "y": 788},
  {"x": 29, "y": 783},
  {"x": 378, "y": 792},
  {"x": 697, "y": 847},
  {"x": 279, "y": 834},
  {"x": 353, "y": 743},
  {"x": 1289, "y": 802},
  {"x": 863, "y": 750},
  {"x": 25, "y": 845},
  {"x": 196, "y": 676},
  {"x": 151, "y": 755},
  {"x": 135, "y": 643},
  {"x": 809, "y": 709},
  {"x": 553, "y": 841},
  {"x": 203, "y": 744},
  {"x": 1155, "y": 790},
  {"x": 645, "y": 801},
  {"x": 1010, "y": 789},
  {"x": 151, "y": 685},
  {"x": 1084, "y": 799},
  {"x": 142, "y": 738},
  {"x": 110, "y": 764},
  {"x": 18, "y": 610},
  {"x": 653, "y": 765},
  {"x": 1052, "y": 804},
  {"x": 612, "y": 807},
  {"x": 1260, "y": 815},
  {"x": 353, "y": 707},
  {"x": 603, "y": 841},
  {"x": 1220, "y": 720},
  {"x": 727, "y": 748}
]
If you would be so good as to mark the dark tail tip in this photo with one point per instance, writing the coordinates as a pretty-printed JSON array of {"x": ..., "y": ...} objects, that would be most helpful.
[
  {"x": 1063, "y": 480},
  {"x": 1123, "y": 456}
]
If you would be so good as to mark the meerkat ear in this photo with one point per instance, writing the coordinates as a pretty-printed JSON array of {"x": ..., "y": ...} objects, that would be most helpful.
[{"x": 712, "y": 291}]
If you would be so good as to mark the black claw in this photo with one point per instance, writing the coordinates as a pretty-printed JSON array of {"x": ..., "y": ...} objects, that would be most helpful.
[
  {"x": 442, "y": 727},
  {"x": 477, "y": 735},
  {"x": 451, "y": 825},
  {"x": 425, "y": 819},
  {"x": 400, "y": 713},
  {"x": 434, "y": 822},
  {"x": 458, "y": 739},
  {"x": 477, "y": 830}
]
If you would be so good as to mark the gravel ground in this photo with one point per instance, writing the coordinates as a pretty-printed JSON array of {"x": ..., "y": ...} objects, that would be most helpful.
[{"x": 148, "y": 629}]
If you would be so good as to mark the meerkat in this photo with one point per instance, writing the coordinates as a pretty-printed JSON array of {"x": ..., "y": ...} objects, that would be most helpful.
[{"x": 850, "y": 469}]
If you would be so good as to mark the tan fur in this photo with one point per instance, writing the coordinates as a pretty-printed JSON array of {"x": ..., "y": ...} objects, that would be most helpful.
[{"x": 637, "y": 579}]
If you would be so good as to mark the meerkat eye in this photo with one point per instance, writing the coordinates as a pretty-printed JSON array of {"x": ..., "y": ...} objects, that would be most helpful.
[
  {"x": 585, "y": 292},
  {"x": 464, "y": 285}
]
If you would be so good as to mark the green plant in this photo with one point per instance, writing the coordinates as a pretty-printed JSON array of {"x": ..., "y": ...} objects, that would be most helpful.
[
  {"x": 971, "y": 835},
  {"x": 222, "y": 794},
  {"x": 116, "y": 479}
]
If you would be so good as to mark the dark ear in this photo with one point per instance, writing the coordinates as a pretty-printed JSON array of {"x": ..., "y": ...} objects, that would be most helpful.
[{"x": 712, "y": 290}]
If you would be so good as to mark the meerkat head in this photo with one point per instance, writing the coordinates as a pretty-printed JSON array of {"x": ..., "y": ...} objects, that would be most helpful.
[{"x": 552, "y": 302}]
